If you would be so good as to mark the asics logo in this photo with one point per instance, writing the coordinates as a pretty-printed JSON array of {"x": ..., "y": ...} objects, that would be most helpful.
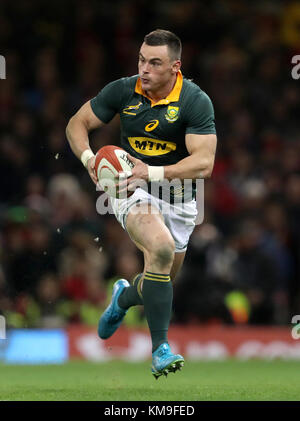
[{"x": 152, "y": 125}]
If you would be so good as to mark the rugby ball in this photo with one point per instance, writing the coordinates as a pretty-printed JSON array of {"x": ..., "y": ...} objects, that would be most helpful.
[{"x": 111, "y": 165}]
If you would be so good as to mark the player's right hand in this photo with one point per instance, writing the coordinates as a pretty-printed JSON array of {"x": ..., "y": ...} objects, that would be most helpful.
[{"x": 91, "y": 169}]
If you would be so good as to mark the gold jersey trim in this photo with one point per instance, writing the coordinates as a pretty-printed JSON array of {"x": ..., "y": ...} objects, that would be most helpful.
[{"x": 172, "y": 97}]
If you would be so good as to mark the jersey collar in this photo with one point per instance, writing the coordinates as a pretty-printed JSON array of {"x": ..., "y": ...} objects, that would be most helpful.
[{"x": 172, "y": 97}]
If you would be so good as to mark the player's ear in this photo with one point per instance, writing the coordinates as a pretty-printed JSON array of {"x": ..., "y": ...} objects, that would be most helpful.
[{"x": 176, "y": 66}]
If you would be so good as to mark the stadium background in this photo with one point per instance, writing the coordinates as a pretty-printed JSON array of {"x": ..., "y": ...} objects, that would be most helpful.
[{"x": 59, "y": 258}]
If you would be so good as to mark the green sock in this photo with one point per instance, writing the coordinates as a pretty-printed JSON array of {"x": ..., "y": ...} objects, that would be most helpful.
[
  {"x": 157, "y": 296},
  {"x": 131, "y": 296}
]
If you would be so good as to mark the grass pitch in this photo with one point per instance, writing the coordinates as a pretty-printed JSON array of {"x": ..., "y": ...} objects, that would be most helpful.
[{"x": 122, "y": 381}]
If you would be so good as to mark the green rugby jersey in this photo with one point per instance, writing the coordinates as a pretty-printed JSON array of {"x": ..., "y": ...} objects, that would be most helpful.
[{"x": 155, "y": 132}]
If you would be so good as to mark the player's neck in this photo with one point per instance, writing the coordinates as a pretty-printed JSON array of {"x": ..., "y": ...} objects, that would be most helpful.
[{"x": 164, "y": 91}]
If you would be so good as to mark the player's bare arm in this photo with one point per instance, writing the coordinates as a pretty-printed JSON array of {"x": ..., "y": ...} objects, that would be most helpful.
[
  {"x": 199, "y": 164},
  {"x": 77, "y": 132}
]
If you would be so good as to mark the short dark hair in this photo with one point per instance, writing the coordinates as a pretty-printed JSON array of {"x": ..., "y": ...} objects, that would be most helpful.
[{"x": 163, "y": 37}]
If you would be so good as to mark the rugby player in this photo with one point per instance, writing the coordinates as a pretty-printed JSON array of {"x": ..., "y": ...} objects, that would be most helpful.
[{"x": 168, "y": 130}]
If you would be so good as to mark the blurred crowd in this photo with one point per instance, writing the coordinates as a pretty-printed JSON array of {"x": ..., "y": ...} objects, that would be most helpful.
[{"x": 58, "y": 256}]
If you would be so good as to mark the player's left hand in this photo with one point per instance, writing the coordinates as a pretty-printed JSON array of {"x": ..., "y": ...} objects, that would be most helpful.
[{"x": 139, "y": 172}]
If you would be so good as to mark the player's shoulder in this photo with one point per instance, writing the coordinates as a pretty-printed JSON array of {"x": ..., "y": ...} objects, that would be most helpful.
[
  {"x": 192, "y": 92},
  {"x": 125, "y": 83},
  {"x": 117, "y": 91}
]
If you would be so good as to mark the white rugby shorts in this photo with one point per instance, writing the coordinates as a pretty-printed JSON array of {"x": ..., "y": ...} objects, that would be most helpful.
[{"x": 179, "y": 217}]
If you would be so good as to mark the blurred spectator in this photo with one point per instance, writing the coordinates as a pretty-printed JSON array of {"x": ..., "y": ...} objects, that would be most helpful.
[
  {"x": 205, "y": 279},
  {"x": 28, "y": 256},
  {"x": 49, "y": 300},
  {"x": 257, "y": 273},
  {"x": 80, "y": 261},
  {"x": 35, "y": 199}
]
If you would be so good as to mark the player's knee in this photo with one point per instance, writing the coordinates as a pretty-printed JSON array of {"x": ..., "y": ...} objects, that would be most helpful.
[{"x": 164, "y": 252}]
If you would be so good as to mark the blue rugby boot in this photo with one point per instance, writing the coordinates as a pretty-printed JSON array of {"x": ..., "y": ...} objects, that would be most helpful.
[
  {"x": 164, "y": 362},
  {"x": 114, "y": 314}
]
